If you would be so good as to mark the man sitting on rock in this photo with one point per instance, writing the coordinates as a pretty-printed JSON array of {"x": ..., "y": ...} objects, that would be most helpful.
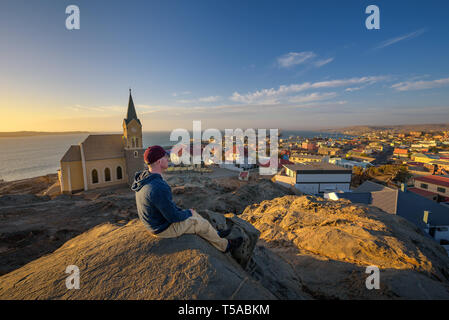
[{"x": 160, "y": 214}]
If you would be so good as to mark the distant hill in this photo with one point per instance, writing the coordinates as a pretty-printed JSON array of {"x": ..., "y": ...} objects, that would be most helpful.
[
  {"x": 355, "y": 130},
  {"x": 35, "y": 133}
]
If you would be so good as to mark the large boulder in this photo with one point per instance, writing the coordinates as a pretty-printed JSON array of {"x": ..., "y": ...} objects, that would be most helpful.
[
  {"x": 222, "y": 195},
  {"x": 239, "y": 228},
  {"x": 127, "y": 262},
  {"x": 330, "y": 245},
  {"x": 35, "y": 185}
]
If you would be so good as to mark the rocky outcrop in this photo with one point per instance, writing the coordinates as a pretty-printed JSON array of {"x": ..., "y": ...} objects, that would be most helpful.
[
  {"x": 127, "y": 262},
  {"x": 36, "y": 185},
  {"x": 329, "y": 244},
  {"x": 222, "y": 195},
  {"x": 32, "y": 225},
  {"x": 296, "y": 247},
  {"x": 239, "y": 228}
]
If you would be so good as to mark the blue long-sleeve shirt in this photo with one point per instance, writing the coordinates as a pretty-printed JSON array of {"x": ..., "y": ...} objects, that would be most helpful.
[{"x": 154, "y": 201}]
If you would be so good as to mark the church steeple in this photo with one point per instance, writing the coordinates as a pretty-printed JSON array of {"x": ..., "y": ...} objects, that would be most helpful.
[
  {"x": 132, "y": 128},
  {"x": 131, "y": 114}
]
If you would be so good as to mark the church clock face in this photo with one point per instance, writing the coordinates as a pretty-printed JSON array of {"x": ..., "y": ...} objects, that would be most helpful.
[{"x": 133, "y": 129}]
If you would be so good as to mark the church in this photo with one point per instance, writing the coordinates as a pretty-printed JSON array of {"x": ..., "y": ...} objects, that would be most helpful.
[{"x": 105, "y": 159}]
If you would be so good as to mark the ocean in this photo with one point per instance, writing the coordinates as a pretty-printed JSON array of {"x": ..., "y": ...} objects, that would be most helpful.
[{"x": 27, "y": 157}]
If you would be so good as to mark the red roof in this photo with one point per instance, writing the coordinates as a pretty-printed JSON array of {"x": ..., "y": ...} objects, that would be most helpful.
[
  {"x": 438, "y": 180},
  {"x": 281, "y": 162},
  {"x": 421, "y": 192},
  {"x": 400, "y": 151},
  {"x": 412, "y": 163},
  {"x": 425, "y": 193}
]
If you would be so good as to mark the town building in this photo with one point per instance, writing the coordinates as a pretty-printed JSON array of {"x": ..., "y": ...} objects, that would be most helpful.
[
  {"x": 400, "y": 152},
  {"x": 303, "y": 158},
  {"x": 440, "y": 166},
  {"x": 315, "y": 178},
  {"x": 423, "y": 158},
  {"x": 106, "y": 159},
  {"x": 309, "y": 146},
  {"x": 432, "y": 187},
  {"x": 349, "y": 164},
  {"x": 354, "y": 156},
  {"x": 329, "y": 151}
]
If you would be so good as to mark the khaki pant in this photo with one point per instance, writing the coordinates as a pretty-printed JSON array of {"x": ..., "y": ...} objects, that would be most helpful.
[{"x": 195, "y": 224}]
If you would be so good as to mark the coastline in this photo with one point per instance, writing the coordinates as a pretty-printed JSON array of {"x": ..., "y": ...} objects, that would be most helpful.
[
  {"x": 38, "y": 155},
  {"x": 22, "y": 134}
]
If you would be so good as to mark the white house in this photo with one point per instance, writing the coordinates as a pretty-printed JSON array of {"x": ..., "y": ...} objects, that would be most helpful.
[
  {"x": 316, "y": 178},
  {"x": 349, "y": 164}
]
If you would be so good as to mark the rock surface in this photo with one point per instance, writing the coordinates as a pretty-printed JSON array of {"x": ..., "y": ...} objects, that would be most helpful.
[
  {"x": 32, "y": 225},
  {"x": 308, "y": 248},
  {"x": 239, "y": 228},
  {"x": 36, "y": 185},
  {"x": 225, "y": 195},
  {"x": 329, "y": 244},
  {"x": 127, "y": 262}
]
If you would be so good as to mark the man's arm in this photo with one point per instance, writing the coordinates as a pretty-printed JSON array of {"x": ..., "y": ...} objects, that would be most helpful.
[{"x": 162, "y": 199}]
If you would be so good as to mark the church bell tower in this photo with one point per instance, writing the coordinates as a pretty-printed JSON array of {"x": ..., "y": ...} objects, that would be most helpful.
[
  {"x": 132, "y": 140},
  {"x": 132, "y": 128}
]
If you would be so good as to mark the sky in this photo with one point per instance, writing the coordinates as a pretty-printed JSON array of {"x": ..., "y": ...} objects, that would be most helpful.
[{"x": 296, "y": 65}]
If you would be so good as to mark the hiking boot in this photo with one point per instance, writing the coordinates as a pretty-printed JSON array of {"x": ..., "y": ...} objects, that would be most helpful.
[
  {"x": 224, "y": 233},
  {"x": 234, "y": 244}
]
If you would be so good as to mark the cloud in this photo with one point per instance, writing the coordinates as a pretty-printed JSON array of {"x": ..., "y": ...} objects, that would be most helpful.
[
  {"x": 272, "y": 94},
  {"x": 210, "y": 99},
  {"x": 294, "y": 58},
  {"x": 146, "y": 109},
  {"x": 321, "y": 63},
  {"x": 200, "y": 100},
  {"x": 392, "y": 41},
  {"x": 316, "y": 96},
  {"x": 306, "y": 57},
  {"x": 354, "y": 89},
  {"x": 97, "y": 109},
  {"x": 176, "y": 94},
  {"x": 420, "y": 85}
]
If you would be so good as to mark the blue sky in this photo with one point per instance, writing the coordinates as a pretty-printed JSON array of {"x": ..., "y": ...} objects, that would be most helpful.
[{"x": 287, "y": 64}]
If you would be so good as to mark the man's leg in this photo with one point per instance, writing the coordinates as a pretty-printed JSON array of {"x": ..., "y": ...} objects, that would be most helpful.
[{"x": 196, "y": 224}]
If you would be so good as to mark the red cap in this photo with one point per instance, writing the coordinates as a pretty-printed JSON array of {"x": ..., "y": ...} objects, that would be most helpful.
[{"x": 153, "y": 154}]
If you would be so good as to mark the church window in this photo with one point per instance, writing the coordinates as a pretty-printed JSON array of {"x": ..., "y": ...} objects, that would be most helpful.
[
  {"x": 136, "y": 154},
  {"x": 119, "y": 173},
  {"x": 137, "y": 142},
  {"x": 107, "y": 174},
  {"x": 94, "y": 176},
  {"x": 133, "y": 141}
]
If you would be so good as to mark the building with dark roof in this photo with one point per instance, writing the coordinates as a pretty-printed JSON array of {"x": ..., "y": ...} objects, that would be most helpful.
[
  {"x": 315, "y": 177},
  {"x": 105, "y": 159},
  {"x": 382, "y": 197}
]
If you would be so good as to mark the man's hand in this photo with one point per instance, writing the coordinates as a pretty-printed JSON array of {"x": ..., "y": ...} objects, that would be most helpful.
[{"x": 193, "y": 211}]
